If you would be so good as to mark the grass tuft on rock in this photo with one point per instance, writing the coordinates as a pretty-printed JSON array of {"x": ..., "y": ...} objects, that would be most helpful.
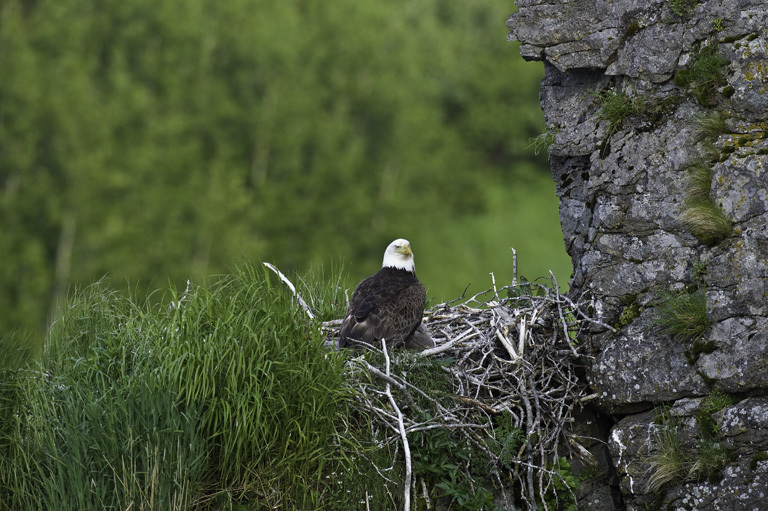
[
  {"x": 683, "y": 315},
  {"x": 709, "y": 126},
  {"x": 704, "y": 75},
  {"x": 701, "y": 216},
  {"x": 669, "y": 462}
]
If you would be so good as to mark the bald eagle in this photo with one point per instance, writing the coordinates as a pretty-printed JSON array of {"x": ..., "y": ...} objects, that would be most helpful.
[{"x": 388, "y": 305}]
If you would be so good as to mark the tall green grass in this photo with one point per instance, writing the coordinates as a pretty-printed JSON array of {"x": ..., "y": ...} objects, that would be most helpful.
[{"x": 222, "y": 396}]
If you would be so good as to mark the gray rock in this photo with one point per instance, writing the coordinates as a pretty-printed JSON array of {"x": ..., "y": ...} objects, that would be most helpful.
[
  {"x": 741, "y": 361},
  {"x": 622, "y": 190},
  {"x": 634, "y": 369},
  {"x": 742, "y": 483}
]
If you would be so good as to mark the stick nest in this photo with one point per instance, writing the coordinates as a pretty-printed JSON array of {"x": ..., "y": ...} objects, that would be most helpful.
[{"x": 512, "y": 362}]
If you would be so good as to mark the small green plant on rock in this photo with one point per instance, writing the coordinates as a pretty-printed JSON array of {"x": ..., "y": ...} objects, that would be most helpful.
[
  {"x": 630, "y": 310},
  {"x": 543, "y": 141},
  {"x": 684, "y": 315},
  {"x": 709, "y": 126},
  {"x": 709, "y": 460},
  {"x": 683, "y": 7},
  {"x": 705, "y": 220},
  {"x": 701, "y": 216},
  {"x": 711, "y": 456},
  {"x": 704, "y": 75},
  {"x": 673, "y": 460},
  {"x": 669, "y": 461},
  {"x": 616, "y": 106}
]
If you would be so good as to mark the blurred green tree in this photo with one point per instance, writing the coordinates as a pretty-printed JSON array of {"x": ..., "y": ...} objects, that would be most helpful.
[{"x": 164, "y": 139}]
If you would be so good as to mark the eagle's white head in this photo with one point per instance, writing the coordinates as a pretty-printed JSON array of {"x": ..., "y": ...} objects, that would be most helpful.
[{"x": 399, "y": 255}]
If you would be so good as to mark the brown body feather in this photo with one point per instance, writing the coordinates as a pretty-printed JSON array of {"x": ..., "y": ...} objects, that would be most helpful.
[{"x": 387, "y": 305}]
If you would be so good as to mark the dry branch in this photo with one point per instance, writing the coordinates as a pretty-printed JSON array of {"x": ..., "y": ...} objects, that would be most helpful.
[{"x": 290, "y": 285}]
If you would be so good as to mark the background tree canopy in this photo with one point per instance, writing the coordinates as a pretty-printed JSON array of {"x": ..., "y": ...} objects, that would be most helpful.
[{"x": 157, "y": 140}]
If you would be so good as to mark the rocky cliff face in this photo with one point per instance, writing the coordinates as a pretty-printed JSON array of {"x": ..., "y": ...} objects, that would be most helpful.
[{"x": 658, "y": 116}]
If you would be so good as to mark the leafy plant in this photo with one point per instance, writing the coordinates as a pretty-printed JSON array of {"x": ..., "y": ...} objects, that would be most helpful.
[
  {"x": 467, "y": 497},
  {"x": 560, "y": 495},
  {"x": 452, "y": 470},
  {"x": 507, "y": 439}
]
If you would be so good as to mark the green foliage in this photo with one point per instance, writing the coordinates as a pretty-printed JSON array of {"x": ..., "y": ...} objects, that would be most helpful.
[
  {"x": 560, "y": 495},
  {"x": 454, "y": 473},
  {"x": 156, "y": 140},
  {"x": 704, "y": 75},
  {"x": 507, "y": 439},
  {"x": 669, "y": 460},
  {"x": 323, "y": 290},
  {"x": 699, "y": 182},
  {"x": 542, "y": 141},
  {"x": 701, "y": 215},
  {"x": 699, "y": 270},
  {"x": 706, "y": 220},
  {"x": 223, "y": 396},
  {"x": 443, "y": 463},
  {"x": 632, "y": 29},
  {"x": 683, "y": 315},
  {"x": 446, "y": 272},
  {"x": 715, "y": 402},
  {"x": 616, "y": 106},
  {"x": 630, "y": 310},
  {"x": 710, "y": 459},
  {"x": 17, "y": 354},
  {"x": 226, "y": 390},
  {"x": 710, "y": 125},
  {"x": 675, "y": 460},
  {"x": 682, "y": 7},
  {"x": 711, "y": 456}
]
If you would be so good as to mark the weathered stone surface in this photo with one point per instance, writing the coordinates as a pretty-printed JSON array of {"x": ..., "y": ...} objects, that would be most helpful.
[
  {"x": 653, "y": 369},
  {"x": 743, "y": 483},
  {"x": 622, "y": 186},
  {"x": 741, "y": 361}
]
